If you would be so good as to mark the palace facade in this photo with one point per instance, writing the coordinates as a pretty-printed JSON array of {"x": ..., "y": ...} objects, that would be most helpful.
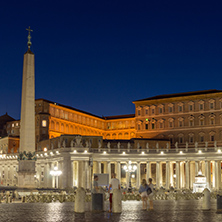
[{"x": 170, "y": 138}]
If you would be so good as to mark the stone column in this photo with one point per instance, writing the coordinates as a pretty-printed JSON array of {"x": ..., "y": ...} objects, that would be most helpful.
[
  {"x": 118, "y": 171},
  {"x": 207, "y": 173},
  {"x": 214, "y": 175},
  {"x": 161, "y": 174},
  {"x": 99, "y": 167},
  {"x": 181, "y": 174},
  {"x": 67, "y": 171},
  {"x": 177, "y": 174},
  {"x": 49, "y": 177},
  {"x": 148, "y": 173},
  {"x": 217, "y": 174},
  {"x": 138, "y": 175},
  {"x": 109, "y": 170},
  {"x": 167, "y": 175},
  {"x": 158, "y": 174},
  {"x": 196, "y": 167},
  {"x": 171, "y": 174},
  {"x": 87, "y": 183},
  {"x": 187, "y": 166}
]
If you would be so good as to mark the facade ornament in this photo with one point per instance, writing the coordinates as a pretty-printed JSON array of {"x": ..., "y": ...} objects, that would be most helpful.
[
  {"x": 176, "y": 145},
  {"x": 215, "y": 144},
  {"x": 78, "y": 142},
  {"x": 27, "y": 156},
  {"x": 196, "y": 144},
  {"x": 99, "y": 144},
  {"x": 157, "y": 145},
  {"x": 138, "y": 145},
  {"x": 64, "y": 143}
]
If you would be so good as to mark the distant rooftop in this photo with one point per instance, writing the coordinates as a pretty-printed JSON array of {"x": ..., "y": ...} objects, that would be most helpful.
[
  {"x": 180, "y": 94},
  {"x": 81, "y": 111}
]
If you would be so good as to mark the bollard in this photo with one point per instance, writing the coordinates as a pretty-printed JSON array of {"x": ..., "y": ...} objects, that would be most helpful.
[
  {"x": 117, "y": 201},
  {"x": 219, "y": 204},
  {"x": 80, "y": 200},
  {"x": 23, "y": 199},
  {"x": 97, "y": 202},
  {"x": 206, "y": 199}
]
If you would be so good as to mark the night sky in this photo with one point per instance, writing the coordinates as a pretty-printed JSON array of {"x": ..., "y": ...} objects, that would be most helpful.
[{"x": 99, "y": 56}]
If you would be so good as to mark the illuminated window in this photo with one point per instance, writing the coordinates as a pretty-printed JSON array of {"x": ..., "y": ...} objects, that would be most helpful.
[
  {"x": 44, "y": 123},
  {"x": 13, "y": 124}
]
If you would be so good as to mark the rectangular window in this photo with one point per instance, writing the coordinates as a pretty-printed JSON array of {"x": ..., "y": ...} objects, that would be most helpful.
[
  {"x": 179, "y": 108},
  {"x": 181, "y": 140},
  {"x": 160, "y": 110},
  {"x": 170, "y": 124},
  {"x": 201, "y": 139},
  {"x": 180, "y": 123},
  {"x": 211, "y": 105},
  {"x": 201, "y": 106},
  {"x": 44, "y": 123},
  {"x": 191, "y": 122},
  {"x": 146, "y": 111},
  {"x": 153, "y": 126},
  {"x": 153, "y": 111},
  {"x": 201, "y": 122},
  {"x": 161, "y": 125},
  {"x": 191, "y": 107},
  {"x": 191, "y": 139},
  {"x": 138, "y": 112},
  {"x": 212, "y": 138},
  {"x": 170, "y": 109},
  {"x": 138, "y": 127},
  {"x": 147, "y": 126}
]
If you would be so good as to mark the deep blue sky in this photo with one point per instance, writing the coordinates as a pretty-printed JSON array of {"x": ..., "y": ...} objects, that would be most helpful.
[{"x": 99, "y": 56}]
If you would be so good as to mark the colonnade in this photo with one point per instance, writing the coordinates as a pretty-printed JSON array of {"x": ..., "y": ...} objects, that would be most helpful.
[{"x": 177, "y": 174}]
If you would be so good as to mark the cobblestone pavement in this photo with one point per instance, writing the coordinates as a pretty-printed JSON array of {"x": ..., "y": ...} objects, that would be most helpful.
[{"x": 165, "y": 210}]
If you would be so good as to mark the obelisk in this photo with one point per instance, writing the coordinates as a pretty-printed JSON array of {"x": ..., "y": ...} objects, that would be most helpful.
[{"x": 26, "y": 156}]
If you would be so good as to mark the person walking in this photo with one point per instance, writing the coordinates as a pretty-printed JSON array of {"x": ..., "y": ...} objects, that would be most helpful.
[
  {"x": 150, "y": 196},
  {"x": 143, "y": 192},
  {"x": 114, "y": 184}
]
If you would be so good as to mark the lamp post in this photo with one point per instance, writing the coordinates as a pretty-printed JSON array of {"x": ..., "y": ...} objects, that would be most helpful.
[
  {"x": 55, "y": 173},
  {"x": 130, "y": 169}
]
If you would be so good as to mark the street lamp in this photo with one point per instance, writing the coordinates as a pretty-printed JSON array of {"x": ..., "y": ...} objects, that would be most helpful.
[
  {"x": 55, "y": 173},
  {"x": 129, "y": 168}
]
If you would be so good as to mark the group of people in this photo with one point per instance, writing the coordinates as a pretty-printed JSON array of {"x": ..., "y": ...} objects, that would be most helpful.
[
  {"x": 114, "y": 184},
  {"x": 145, "y": 190}
]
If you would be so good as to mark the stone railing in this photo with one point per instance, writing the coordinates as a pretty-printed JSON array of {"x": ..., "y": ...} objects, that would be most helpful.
[{"x": 63, "y": 197}]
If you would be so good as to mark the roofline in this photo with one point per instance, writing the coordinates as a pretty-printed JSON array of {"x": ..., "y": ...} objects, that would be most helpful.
[
  {"x": 81, "y": 111},
  {"x": 192, "y": 93}
]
